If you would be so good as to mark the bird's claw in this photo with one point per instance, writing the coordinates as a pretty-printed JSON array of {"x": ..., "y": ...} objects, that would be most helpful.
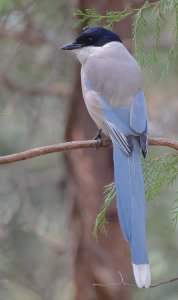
[{"x": 98, "y": 138}]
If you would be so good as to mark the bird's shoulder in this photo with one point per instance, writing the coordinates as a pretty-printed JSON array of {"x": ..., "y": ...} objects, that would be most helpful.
[
  {"x": 113, "y": 73},
  {"x": 113, "y": 52},
  {"x": 112, "y": 60}
]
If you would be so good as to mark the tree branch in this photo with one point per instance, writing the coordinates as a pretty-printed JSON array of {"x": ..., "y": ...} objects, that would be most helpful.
[
  {"x": 7, "y": 159},
  {"x": 163, "y": 142},
  {"x": 133, "y": 285}
]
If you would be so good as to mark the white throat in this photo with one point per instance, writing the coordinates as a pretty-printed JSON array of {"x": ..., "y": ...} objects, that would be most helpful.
[{"x": 83, "y": 53}]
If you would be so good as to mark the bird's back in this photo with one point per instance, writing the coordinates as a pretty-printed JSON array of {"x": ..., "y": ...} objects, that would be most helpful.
[{"x": 113, "y": 74}]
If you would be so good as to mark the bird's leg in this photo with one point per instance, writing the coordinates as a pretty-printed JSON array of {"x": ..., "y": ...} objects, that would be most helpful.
[{"x": 98, "y": 138}]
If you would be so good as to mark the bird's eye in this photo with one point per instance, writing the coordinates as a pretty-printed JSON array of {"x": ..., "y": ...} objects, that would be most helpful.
[{"x": 91, "y": 39}]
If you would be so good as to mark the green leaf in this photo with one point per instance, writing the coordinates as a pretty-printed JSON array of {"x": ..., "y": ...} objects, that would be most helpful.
[
  {"x": 159, "y": 174},
  {"x": 89, "y": 17},
  {"x": 158, "y": 11},
  {"x": 174, "y": 215},
  {"x": 101, "y": 221}
]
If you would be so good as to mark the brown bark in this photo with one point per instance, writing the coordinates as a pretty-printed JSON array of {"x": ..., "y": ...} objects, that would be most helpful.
[
  {"x": 91, "y": 170},
  {"x": 75, "y": 145}
]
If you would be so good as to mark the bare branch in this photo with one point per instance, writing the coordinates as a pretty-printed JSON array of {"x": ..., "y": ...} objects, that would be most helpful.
[
  {"x": 163, "y": 142},
  {"x": 55, "y": 89},
  {"x": 133, "y": 285},
  {"x": 164, "y": 282},
  {"x": 50, "y": 149},
  {"x": 6, "y": 159}
]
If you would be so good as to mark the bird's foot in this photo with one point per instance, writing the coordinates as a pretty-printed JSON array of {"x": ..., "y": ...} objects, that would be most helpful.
[{"x": 98, "y": 138}]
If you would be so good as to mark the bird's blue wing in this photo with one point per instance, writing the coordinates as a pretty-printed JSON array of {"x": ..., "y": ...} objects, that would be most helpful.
[
  {"x": 118, "y": 137},
  {"x": 138, "y": 120},
  {"x": 138, "y": 113},
  {"x": 117, "y": 123}
]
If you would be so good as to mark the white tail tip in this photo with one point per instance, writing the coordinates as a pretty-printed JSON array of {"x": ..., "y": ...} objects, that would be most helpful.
[{"x": 142, "y": 275}]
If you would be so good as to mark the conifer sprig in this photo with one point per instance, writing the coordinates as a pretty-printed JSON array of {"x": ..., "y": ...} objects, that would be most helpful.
[
  {"x": 159, "y": 174},
  {"x": 157, "y": 11}
]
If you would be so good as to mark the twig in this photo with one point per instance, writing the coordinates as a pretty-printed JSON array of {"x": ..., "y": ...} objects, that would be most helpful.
[
  {"x": 6, "y": 159},
  {"x": 115, "y": 284},
  {"x": 133, "y": 285},
  {"x": 164, "y": 282}
]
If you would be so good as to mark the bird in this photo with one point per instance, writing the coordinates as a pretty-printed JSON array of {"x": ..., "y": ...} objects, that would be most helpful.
[{"x": 112, "y": 87}]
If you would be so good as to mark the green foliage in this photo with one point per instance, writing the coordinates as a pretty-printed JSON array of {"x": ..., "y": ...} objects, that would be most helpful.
[
  {"x": 101, "y": 221},
  {"x": 154, "y": 13},
  {"x": 139, "y": 31},
  {"x": 174, "y": 214},
  {"x": 159, "y": 173},
  {"x": 91, "y": 17}
]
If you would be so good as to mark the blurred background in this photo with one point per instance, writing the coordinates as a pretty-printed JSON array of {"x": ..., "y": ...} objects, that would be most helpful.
[{"x": 48, "y": 204}]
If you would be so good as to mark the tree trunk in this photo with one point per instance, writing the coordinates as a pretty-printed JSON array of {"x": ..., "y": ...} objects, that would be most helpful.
[{"x": 91, "y": 170}]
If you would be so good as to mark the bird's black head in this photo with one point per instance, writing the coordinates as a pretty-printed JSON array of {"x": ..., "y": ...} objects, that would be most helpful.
[{"x": 93, "y": 36}]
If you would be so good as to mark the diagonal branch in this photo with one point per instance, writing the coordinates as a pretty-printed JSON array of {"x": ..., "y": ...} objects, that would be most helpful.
[{"x": 7, "y": 159}]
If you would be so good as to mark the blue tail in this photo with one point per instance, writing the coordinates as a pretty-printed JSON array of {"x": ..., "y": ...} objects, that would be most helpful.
[
  {"x": 131, "y": 200},
  {"x": 131, "y": 207},
  {"x": 127, "y": 128}
]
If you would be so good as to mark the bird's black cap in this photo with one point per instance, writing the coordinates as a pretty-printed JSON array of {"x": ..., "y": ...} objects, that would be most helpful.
[{"x": 93, "y": 36}]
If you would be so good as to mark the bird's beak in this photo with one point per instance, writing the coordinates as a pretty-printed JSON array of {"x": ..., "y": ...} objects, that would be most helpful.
[{"x": 71, "y": 46}]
